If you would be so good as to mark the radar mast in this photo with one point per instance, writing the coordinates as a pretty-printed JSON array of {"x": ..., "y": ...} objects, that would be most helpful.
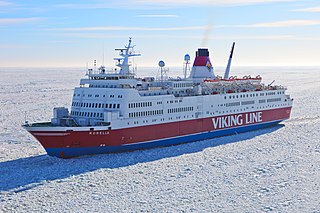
[{"x": 123, "y": 60}]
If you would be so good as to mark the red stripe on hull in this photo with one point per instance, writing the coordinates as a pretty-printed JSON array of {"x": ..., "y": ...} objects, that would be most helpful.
[{"x": 131, "y": 135}]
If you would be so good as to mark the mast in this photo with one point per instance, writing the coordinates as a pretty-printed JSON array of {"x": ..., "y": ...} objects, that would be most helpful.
[
  {"x": 226, "y": 74},
  {"x": 123, "y": 61},
  {"x": 186, "y": 65}
]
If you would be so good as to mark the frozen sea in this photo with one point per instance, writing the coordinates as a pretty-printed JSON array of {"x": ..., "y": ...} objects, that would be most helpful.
[{"x": 269, "y": 170}]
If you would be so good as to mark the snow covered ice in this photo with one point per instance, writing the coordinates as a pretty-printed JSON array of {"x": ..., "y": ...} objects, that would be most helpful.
[{"x": 270, "y": 170}]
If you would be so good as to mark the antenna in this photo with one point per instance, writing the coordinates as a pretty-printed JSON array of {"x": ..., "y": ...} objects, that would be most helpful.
[
  {"x": 162, "y": 70},
  {"x": 132, "y": 60},
  {"x": 226, "y": 74},
  {"x": 87, "y": 69},
  {"x": 186, "y": 65},
  {"x": 95, "y": 64},
  {"x": 103, "y": 55}
]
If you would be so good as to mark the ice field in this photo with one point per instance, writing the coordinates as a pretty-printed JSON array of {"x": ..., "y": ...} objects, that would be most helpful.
[{"x": 269, "y": 170}]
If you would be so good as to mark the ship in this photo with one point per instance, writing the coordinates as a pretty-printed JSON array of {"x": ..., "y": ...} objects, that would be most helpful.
[{"x": 117, "y": 111}]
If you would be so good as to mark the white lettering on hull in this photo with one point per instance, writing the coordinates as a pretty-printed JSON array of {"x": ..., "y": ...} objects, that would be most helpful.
[{"x": 236, "y": 120}]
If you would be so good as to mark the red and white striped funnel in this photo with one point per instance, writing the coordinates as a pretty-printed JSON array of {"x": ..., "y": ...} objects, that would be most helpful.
[
  {"x": 202, "y": 67},
  {"x": 202, "y": 58}
]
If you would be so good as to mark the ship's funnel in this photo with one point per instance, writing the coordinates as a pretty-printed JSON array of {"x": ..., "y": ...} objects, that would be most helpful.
[{"x": 202, "y": 67}]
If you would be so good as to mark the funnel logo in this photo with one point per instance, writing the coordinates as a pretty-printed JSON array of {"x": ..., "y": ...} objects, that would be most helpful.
[{"x": 208, "y": 64}]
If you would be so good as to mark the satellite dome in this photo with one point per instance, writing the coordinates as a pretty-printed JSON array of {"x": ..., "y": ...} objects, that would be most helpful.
[
  {"x": 161, "y": 63},
  {"x": 187, "y": 57}
]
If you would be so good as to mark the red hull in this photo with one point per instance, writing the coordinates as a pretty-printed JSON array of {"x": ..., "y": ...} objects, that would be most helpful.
[{"x": 125, "y": 136}]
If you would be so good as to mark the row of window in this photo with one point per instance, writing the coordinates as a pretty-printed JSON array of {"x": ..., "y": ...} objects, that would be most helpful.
[
  {"x": 162, "y": 119},
  {"x": 247, "y": 102},
  {"x": 183, "y": 85},
  {"x": 112, "y": 96},
  {"x": 145, "y": 113},
  {"x": 273, "y": 100},
  {"x": 246, "y": 109},
  {"x": 96, "y": 105},
  {"x": 176, "y": 101},
  {"x": 271, "y": 93},
  {"x": 233, "y": 104},
  {"x": 181, "y": 109},
  {"x": 96, "y": 95},
  {"x": 237, "y": 103},
  {"x": 141, "y": 104},
  {"x": 87, "y": 114},
  {"x": 103, "y": 86},
  {"x": 273, "y": 105},
  {"x": 243, "y": 96},
  {"x": 110, "y": 77},
  {"x": 253, "y": 95}
]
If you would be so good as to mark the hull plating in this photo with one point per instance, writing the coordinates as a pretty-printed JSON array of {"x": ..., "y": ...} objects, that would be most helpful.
[
  {"x": 75, "y": 143},
  {"x": 78, "y": 151}
]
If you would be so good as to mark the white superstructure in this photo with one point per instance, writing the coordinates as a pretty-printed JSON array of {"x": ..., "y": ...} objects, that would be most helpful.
[{"x": 121, "y": 100}]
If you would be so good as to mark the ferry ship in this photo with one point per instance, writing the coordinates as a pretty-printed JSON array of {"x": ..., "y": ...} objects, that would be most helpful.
[{"x": 116, "y": 111}]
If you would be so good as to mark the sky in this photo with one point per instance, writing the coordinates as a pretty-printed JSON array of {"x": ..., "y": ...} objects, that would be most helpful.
[{"x": 73, "y": 33}]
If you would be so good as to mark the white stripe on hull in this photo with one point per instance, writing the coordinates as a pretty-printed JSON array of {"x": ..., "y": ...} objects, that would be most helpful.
[{"x": 51, "y": 134}]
